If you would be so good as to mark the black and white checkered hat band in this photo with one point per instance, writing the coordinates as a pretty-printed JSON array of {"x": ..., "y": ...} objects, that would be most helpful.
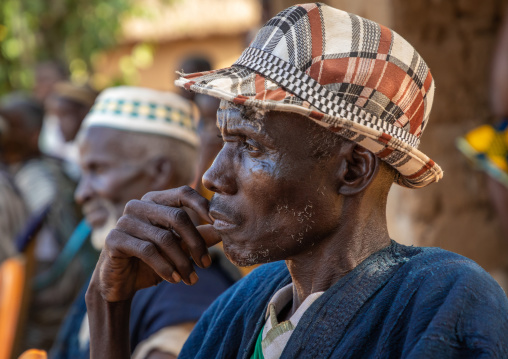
[{"x": 305, "y": 87}]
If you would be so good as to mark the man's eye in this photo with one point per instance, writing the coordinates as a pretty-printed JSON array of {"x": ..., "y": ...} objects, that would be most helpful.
[
  {"x": 98, "y": 169},
  {"x": 251, "y": 147}
]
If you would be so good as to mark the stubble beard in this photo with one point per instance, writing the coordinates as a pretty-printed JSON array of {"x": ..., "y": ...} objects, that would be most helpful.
[{"x": 99, "y": 235}]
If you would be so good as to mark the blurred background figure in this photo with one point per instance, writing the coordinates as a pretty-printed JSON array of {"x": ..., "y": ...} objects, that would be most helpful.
[
  {"x": 136, "y": 140},
  {"x": 498, "y": 187},
  {"x": 13, "y": 213},
  {"x": 70, "y": 104},
  {"x": 46, "y": 75},
  {"x": 209, "y": 135},
  {"x": 20, "y": 152},
  {"x": 487, "y": 145},
  {"x": 52, "y": 216},
  {"x": 13, "y": 210}
]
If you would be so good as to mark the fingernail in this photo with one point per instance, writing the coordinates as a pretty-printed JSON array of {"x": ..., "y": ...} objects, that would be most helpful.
[
  {"x": 176, "y": 277},
  {"x": 206, "y": 260},
  {"x": 193, "y": 278}
]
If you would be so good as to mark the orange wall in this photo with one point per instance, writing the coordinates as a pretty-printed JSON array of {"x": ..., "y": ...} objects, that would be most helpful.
[{"x": 222, "y": 51}]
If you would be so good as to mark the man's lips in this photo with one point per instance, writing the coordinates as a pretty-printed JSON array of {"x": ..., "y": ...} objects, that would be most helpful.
[
  {"x": 96, "y": 217},
  {"x": 221, "y": 222}
]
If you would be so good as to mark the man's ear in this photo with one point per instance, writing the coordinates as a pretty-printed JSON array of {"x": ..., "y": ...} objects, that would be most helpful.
[
  {"x": 357, "y": 169},
  {"x": 161, "y": 170}
]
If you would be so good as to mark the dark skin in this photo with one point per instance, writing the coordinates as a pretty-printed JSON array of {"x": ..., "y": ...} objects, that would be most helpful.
[
  {"x": 117, "y": 172},
  {"x": 20, "y": 143},
  {"x": 46, "y": 76},
  {"x": 277, "y": 197},
  {"x": 113, "y": 168},
  {"x": 209, "y": 138},
  {"x": 70, "y": 115}
]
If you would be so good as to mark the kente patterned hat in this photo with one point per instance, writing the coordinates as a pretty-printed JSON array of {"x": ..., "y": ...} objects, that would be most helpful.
[
  {"x": 349, "y": 74},
  {"x": 144, "y": 110}
]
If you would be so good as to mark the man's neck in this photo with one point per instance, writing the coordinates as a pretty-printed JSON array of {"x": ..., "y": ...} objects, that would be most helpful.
[{"x": 357, "y": 238}]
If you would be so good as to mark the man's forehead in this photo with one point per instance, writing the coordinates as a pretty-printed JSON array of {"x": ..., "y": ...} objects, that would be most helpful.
[
  {"x": 97, "y": 139},
  {"x": 231, "y": 117}
]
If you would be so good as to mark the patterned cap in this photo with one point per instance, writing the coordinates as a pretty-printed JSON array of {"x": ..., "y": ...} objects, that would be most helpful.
[
  {"x": 349, "y": 74},
  {"x": 144, "y": 110}
]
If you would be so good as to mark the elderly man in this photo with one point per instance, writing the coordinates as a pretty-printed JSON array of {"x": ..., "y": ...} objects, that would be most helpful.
[
  {"x": 136, "y": 140},
  {"x": 320, "y": 115}
]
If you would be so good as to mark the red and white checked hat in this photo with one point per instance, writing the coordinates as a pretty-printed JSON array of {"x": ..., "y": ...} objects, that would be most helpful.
[{"x": 349, "y": 74}]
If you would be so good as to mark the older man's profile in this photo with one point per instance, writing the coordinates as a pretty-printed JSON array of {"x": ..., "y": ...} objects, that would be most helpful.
[{"x": 319, "y": 116}]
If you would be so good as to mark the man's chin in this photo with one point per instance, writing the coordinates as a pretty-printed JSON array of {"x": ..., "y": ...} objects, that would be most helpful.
[
  {"x": 243, "y": 258},
  {"x": 99, "y": 234}
]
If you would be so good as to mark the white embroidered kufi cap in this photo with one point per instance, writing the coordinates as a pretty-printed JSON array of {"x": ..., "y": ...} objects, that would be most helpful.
[{"x": 144, "y": 110}]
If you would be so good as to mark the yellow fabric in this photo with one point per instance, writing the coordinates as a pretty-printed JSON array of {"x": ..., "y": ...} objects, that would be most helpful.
[
  {"x": 480, "y": 138},
  {"x": 492, "y": 143},
  {"x": 12, "y": 284},
  {"x": 34, "y": 354}
]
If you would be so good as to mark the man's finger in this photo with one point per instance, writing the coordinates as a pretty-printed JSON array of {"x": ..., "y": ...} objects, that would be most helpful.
[
  {"x": 181, "y": 197},
  {"x": 122, "y": 245},
  {"x": 166, "y": 242},
  {"x": 170, "y": 218},
  {"x": 209, "y": 234}
]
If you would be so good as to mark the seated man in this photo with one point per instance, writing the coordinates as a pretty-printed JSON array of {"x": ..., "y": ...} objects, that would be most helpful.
[
  {"x": 320, "y": 115},
  {"x": 51, "y": 217},
  {"x": 13, "y": 214},
  {"x": 136, "y": 140}
]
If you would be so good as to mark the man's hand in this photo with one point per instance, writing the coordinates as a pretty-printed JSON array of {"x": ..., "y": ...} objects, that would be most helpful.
[{"x": 152, "y": 242}]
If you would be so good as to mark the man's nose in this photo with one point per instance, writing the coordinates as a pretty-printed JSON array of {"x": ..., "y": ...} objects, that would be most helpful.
[
  {"x": 220, "y": 177},
  {"x": 84, "y": 190}
]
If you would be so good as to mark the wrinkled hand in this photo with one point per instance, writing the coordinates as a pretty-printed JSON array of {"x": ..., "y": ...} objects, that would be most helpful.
[{"x": 153, "y": 241}]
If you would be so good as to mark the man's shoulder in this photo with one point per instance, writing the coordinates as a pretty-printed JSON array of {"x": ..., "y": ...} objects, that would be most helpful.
[
  {"x": 436, "y": 267},
  {"x": 436, "y": 260}
]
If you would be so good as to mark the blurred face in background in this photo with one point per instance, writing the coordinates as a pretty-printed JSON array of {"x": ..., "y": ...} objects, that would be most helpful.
[
  {"x": 18, "y": 141},
  {"x": 113, "y": 173},
  {"x": 70, "y": 114},
  {"x": 46, "y": 76}
]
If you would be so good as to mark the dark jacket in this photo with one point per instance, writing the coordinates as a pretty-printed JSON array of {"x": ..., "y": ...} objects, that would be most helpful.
[{"x": 401, "y": 302}]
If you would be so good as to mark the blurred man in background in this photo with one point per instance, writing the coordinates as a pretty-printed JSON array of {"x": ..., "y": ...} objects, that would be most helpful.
[
  {"x": 209, "y": 135},
  {"x": 70, "y": 104},
  {"x": 47, "y": 75},
  {"x": 52, "y": 216},
  {"x": 133, "y": 141},
  {"x": 13, "y": 212}
]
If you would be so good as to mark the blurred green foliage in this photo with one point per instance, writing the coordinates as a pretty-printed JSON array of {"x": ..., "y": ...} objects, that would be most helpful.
[{"x": 70, "y": 31}]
